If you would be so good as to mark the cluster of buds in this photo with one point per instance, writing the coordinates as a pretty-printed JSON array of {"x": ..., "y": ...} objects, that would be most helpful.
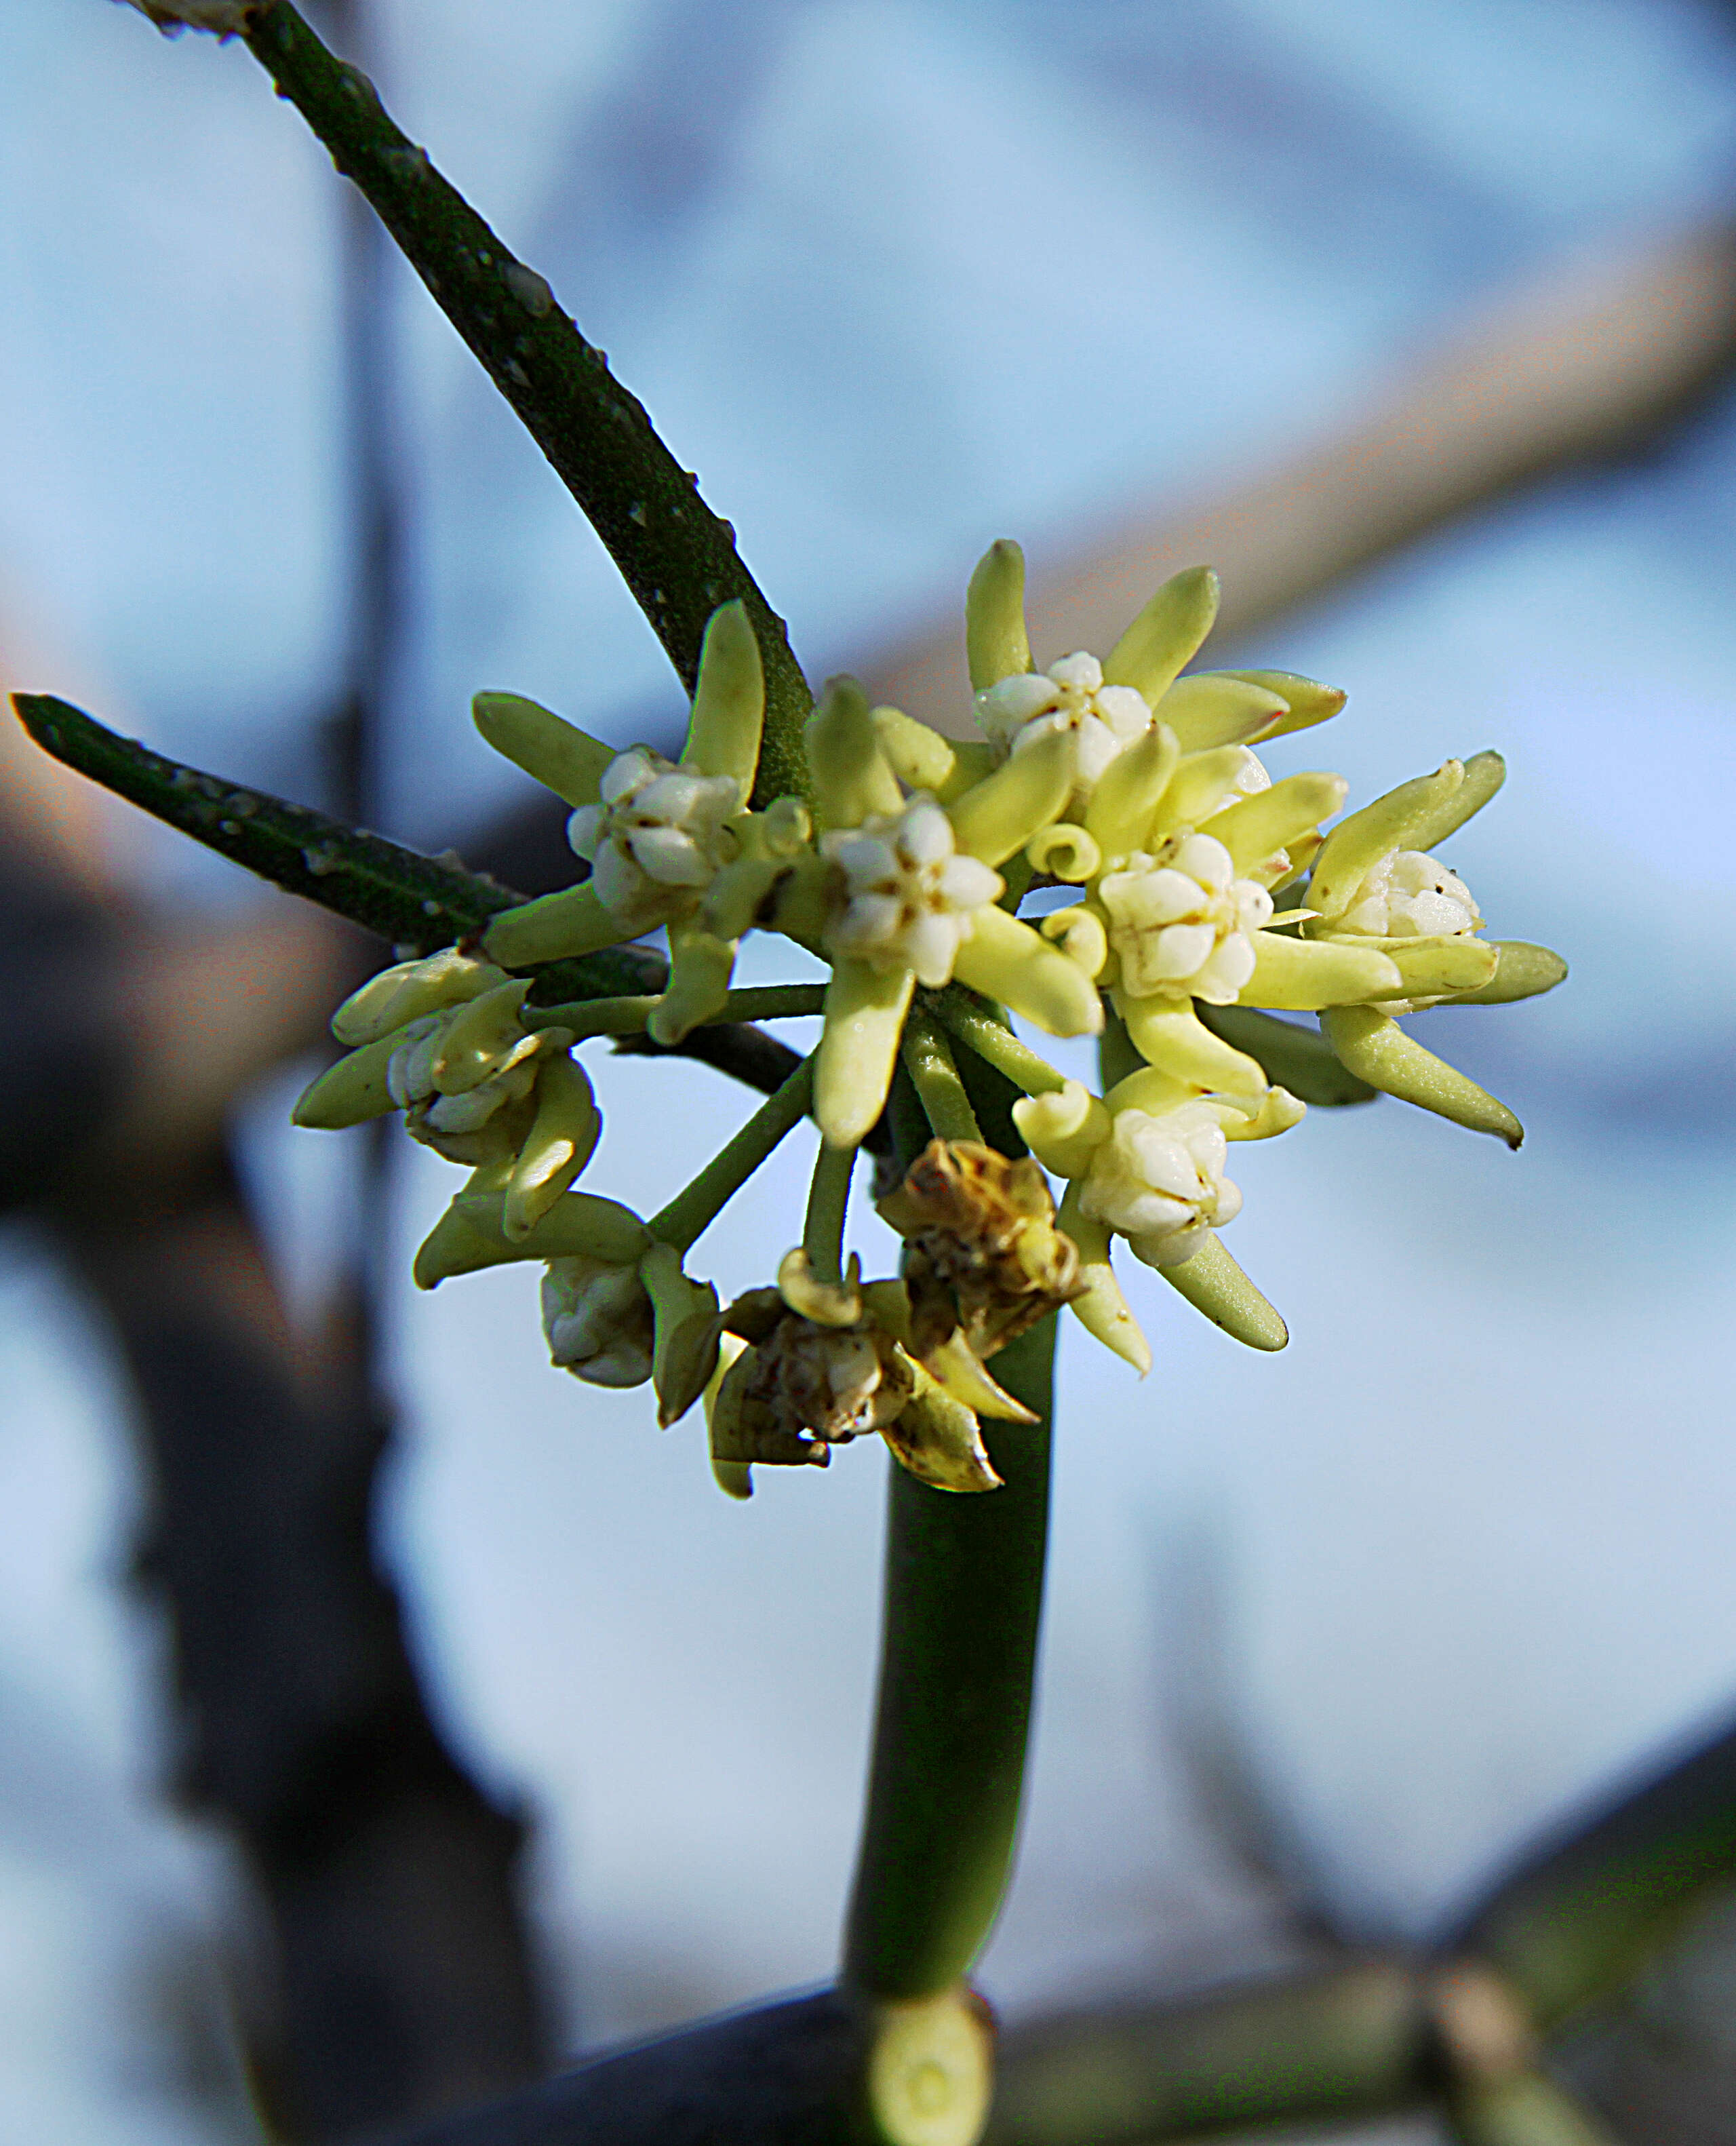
[{"x": 1206, "y": 907}]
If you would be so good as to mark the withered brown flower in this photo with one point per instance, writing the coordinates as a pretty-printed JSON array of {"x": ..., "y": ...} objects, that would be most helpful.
[{"x": 982, "y": 1254}]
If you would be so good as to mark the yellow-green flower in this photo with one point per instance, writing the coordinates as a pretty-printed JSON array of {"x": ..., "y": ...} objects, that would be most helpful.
[
  {"x": 1376, "y": 883},
  {"x": 1130, "y": 779},
  {"x": 1148, "y": 1162},
  {"x": 597, "y": 1320},
  {"x": 440, "y": 1040},
  {"x": 913, "y": 900},
  {"x": 1108, "y": 707}
]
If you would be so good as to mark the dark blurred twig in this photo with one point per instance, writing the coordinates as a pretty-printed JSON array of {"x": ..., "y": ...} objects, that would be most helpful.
[{"x": 401, "y": 1983}]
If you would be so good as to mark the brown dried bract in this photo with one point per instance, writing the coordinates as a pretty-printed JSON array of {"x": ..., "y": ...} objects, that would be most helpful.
[
  {"x": 982, "y": 1253},
  {"x": 802, "y": 1387}
]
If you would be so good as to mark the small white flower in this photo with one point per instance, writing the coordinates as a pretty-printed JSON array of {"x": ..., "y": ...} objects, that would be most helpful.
[
  {"x": 910, "y": 899},
  {"x": 445, "y": 1122},
  {"x": 1179, "y": 921},
  {"x": 1069, "y": 695},
  {"x": 1158, "y": 1179},
  {"x": 597, "y": 1320},
  {"x": 655, "y": 841},
  {"x": 1410, "y": 895}
]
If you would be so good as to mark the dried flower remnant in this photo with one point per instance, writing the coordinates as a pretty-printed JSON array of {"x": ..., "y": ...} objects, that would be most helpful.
[{"x": 982, "y": 1255}]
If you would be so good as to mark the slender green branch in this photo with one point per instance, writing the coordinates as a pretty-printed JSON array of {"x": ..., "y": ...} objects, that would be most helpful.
[
  {"x": 696, "y": 1207},
  {"x": 958, "y": 1655},
  {"x": 1325, "y": 2048},
  {"x": 993, "y": 1041},
  {"x": 928, "y": 1058},
  {"x": 822, "y": 1234},
  {"x": 1347, "y": 2043},
  {"x": 417, "y": 901},
  {"x": 627, "y": 1016},
  {"x": 678, "y": 557}
]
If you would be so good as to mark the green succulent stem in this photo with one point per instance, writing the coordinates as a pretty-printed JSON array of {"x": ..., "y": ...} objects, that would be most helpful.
[
  {"x": 991, "y": 1040},
  {"x": 678, "y": 558},
  {"x": 929, "y": 1061},
  {"x": 698, "y": 1205},
  {"x": 627, "y": 1016},
  {"x": 822, "y": 1234},
  {"x": 963, "y": 1600}
]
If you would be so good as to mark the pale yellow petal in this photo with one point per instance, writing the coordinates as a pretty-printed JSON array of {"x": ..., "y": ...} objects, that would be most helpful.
[
  {"x": 1102, "y": 1310},
  {"x": 1432, "y": 965},
  {"x": 996, "y": 641},
  {"x": 920, "y": 757},
  {"x": 1202, "y": 780},
  {"x": 1169, "y": 1035},
  {"x": 957, "y": 1368},
  {"x": 562, "y": 1139},
  {"x": 1378, "y": 1051},
  {"x": 1007, "y": 961},
  {"x": 699, "y": 967},
  {"x": 1125, "y": 804},
  {"x": 555, "y": 928},
  {"x": 865, "y": 1011},
  {"x": 551, "y": 750},
  {"x": 1301, "y": 975},
  {"x": 852, "y": 778},
  {"x": 350, "y": 1092},
  {"x": 411, "y": 988},
  {"x": 477, "y": 1040},
  {"x": 729, "y": 700},
  {"x": 1272, "y": 819},
  {"x": 1309, "y": 701},
  {"x": 1062, "y": 1131},
  {"x": 1213, "y": 1283},
  {"x": 1219, "y": 708},
  {"x": 1414, "y": 817},
  {"x": 1166, "y": 634},
  {"x": 1522, "y": 970},
  {"x": 995, "y": 817}
]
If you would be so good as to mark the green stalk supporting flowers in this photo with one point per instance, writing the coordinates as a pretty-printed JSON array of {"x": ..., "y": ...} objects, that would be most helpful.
[{"x": 1209, "y": 904}]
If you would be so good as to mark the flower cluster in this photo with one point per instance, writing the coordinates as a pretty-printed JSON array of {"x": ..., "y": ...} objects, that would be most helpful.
[{"x": 1201, "y": 902}]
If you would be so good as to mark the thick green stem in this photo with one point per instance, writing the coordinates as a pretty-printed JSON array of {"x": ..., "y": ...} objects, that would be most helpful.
[
  {"x": 822, "y": 1234},
  {"x": 677, "y": 555},
  {"x": 958, "y": 1649},
  {"x": 695, "y": 1208},
  {"x": 928, "y": 1059}
]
